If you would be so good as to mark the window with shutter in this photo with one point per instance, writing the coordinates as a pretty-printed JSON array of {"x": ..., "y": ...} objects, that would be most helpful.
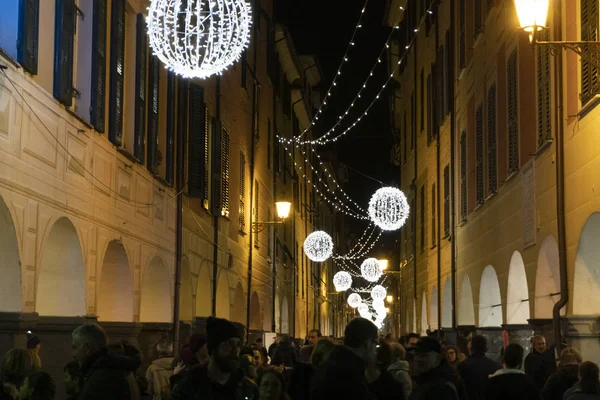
[
  {"x": 429, "y": 111},
  {"x": 98, "y": 96},
  {"x": 256, "y": 205},
  {"x": 512, "y": 113},
  {"x": 405, "y": 137},
  {"x": 463, "y": 176},
  {"x": 491, "y": 141},
  {"x": 422, "y": 219},
  {"x": 196, "y": 141},
  {"x": 244, "y": 68},
  {"x": 225, "y": 165},
  {"x": 153, "y": 107},
  {"x": 287, "y": 97},
  {"x": 462, "y": 58},
  {"x": 413, "y": 114},
  {"x": 182, "y": 114},
  {"x": 479, "y": 154},
  {"x": 478, "y": 18},
  {"x": 216, "y": 167},
  {"x": 590, "y": 84},
  {"x": 64, "y": 39},
  {"x": 438, "y": 91},
  {"x": 206, "y": 159},
  {"x": 422, "y": 103},
  {"x": 446, "y": 86},
  {"x": 170, "y": 167},
  {"x": 242, "y": 210},
  {"x": 269, "y": 143},
  {"x": 543, "y": 90},
  {"x": 447, "y": 201},
  {"x": 141, "y": 48},
  {"x": 269, "y": 233},
  {"x": 27, "y": 42},
  {"x": 117, "y": 72},
  {"x": 433, "y": 203}
]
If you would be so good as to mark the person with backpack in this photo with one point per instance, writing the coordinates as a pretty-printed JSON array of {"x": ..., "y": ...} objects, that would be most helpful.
[{"x": 160, "y": 370}]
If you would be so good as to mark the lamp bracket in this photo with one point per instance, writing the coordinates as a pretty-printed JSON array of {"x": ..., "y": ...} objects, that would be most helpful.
[
  {"x": 260, "y": 226},
  {"x": 588, "y": 51}
]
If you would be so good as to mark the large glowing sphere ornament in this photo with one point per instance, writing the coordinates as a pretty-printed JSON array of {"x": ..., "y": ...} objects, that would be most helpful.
[
  {"x": 198, "y": 38},
  {"x": 318, "y": 246},
  {"x": 369, "y": 269},
  {"x": 378, "y": 293},
  {"x": 342, "y": 281},
  {"x": 354, "y": 300},
  {"x": 388, "y": 208}
]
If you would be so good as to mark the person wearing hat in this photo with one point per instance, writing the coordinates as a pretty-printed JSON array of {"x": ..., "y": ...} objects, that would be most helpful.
[
  {"x": 476, "y": 369},
  {"x": 33, "y": 342},
  {"x": 221, "y": 377},
  {"x": 434, "y": 378}
]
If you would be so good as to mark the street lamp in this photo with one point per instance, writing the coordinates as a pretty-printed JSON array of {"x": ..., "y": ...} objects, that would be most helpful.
[
  {"x": 383, "y": 264},
  {"x": 283, "y": 211},
  {"x": 532, "y": 19},
  {"x": 390, "y": 299}
]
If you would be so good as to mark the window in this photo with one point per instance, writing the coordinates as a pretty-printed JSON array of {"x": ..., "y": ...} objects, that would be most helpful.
[
  {"x": 429, "y": 111},
  {"x": 433, "y": 207},
  {"x": 256, "y": 205},
  {"x": 182, "y": 115},
  {"x": 413, "y": 114},
  {"x": 19, "y": 23},
  {"x": 462, "y": 46},
  {"x": 98, "y": 95},
  {"x": 242, "y": 209},
  {"x": 170, "y": 145},
  {"x": 447, "y": 201},
  {"x": 405, "y": 136},
  {"x": 491, "y": 141},
  {"x": 153, "y": 111},
  {"x": 513, "y": 114},
  {"x": 244, "y": 67},
  {"x": 141, "y": 49},
  {"x": 217, "y": 167},
  {"x": 590, "y": 84},
  {"x": 117, "y": 71},
  {"x": 478, "y": 26},
  {"x": 269, "y": 244},
  {"x": 206, "y": 159},
  {"x": 422, "y": 219},
  {"x": 269, "y": 143},
  {"x": 479, "y": 155},
  {"x": 296, "y": 183},
  {"x": 196, "y": 141},
  {"x": 448, "y": 57},
  {"x": 286, "y": 102},
  {"x": 64, "y": 39},
  {"x": 543, "y": 91},
  {"x": 423, "y": 100},
  {"x": 225, "y": 165},
  {"x": 463, "y": 176}
]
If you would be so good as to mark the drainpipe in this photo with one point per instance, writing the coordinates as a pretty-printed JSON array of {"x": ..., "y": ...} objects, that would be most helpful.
[
  {"x": 560, "y": 188},
  {"x": 437, "y": 199},
  {"x": 215, "y": 197},
  {"x": 452, "y": 166},
  {"x": 413, "y": 185},
  {"x": 275, "y": 142}
]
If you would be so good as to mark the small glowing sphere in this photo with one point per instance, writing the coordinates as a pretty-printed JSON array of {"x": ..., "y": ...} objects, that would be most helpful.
[
  {"x": 318, "y": 246},
  {"x": 369, "y": 269},
  {"x": 363, "y": 308},
  {"x": 342, "y": 281},
  {"x": 378, "y": 306},
  {"x": 388, "y": 208},
  {"x": 378, "y": 293},
  {"x": 354, "y": 300}
]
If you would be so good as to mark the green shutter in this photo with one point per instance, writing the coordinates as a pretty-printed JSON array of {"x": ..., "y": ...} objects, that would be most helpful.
[
  {"x": 513, "y": 113},
  {"x": 153, "y": 109},
  {"x": 141, "y": 48},
  {"x": 117, "y": 72},
  {"x": 491, "y": 141},
  {"x": 27, "y": 45},
  {"x": 196, "y": 143},
  {"x": 463, "y": 176},
  {"x": 479, "y": 155},
  {"x": 171, "y": 116},
  {"x": 98, "y": 96},
  {"x": 64, "y": 36}
]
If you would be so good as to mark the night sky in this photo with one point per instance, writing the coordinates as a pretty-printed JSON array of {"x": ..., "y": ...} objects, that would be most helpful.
[{"x": 324, "y": 28}]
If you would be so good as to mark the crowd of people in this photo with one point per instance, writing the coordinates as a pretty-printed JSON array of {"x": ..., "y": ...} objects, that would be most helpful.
[{"x": 218, "y": 365}]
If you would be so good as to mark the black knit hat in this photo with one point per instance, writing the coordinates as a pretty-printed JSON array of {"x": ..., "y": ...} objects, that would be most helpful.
[
  {"x": 219, "y": 330},
  {"x": 32, "y": 340}
]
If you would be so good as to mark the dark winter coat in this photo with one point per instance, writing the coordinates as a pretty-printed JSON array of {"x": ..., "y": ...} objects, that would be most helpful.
[
  {"x": 300, "y": 381},
  {"x": 560, "y": 381},
  {"x": 441, "y": 383},
  {"x": 539, "y": 367},
  {"x": 284, "y": 354},
  {"x": 106, "y": 377},
  {"x": 475, "y": 372},
  {"x": 510, "y": 384},
  {"x": 198, "y": 386},
  {"x": 342, "y": 376},
  {"x": 575, "y": 393}
]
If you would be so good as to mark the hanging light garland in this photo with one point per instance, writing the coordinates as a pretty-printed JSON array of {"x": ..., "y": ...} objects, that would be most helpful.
[
  {"x": 354, "y": 300},
  {"x": 342, "y": 281},
  {"x": 318, "y": 246},
  {"x": 369, "y": 269},
  {"x": 198, "y": 38},
  {"x": 388, "y": 208}
]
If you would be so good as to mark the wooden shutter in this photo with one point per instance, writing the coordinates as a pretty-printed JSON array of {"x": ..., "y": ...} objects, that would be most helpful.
[
  {"x": 422, "y": 103},
  {"x": 590, "y": 85},
  {"x": 479, "y": 154},
  {"x": 242, "y": 207},
  {"x": 197, "y": 117},
  {"x": 225, "y": 173},
  {"x": 433, "y": 204},
  {"x": 244, "y": 68},
  {"x": 429, "y": 111},
  {"x": 491, "y": 141},
  {"x": 153, "y": 108},
  {"x": 478, "y": 26},
  {"x": 217, "y": 164},
  {"x": 117, "y": 72},
  {"x": 141, "y": 49},
  {"x": 513, "y": 114},
  {"x": 170, "y": 158},
  {"x": 405, "y": 137},
  {"x": 269, "y": 143},
  {"x": 27, "y": 44},
  {"x": 182, "y": 116},
  {"x": 438, "y": 95},
  {"x": 447, "y": 200},
  {"x": 256, "y": 213},
  {"x": 413, "y": 114},
  {"x": 98, "y": 95},
  {"x": 462, "y": 59},
  {"x": 446, "y": 74},
  {"x": 463, "y": 175},
  {"x": 206, "y": 169},
  {"x": 422, "y": 219},
  {"x": 543, "y": 90},
  {"x": 64, "y": 36}
]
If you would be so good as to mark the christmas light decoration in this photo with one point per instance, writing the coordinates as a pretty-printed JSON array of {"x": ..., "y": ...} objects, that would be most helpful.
[
  {"x": 378, "y": 294},
  {"x": 354, "y": 300},
  {"x": 388, "y": 208},
  {"x": 318, "y": 246},
  {"x": 342, "y": 281},
  {"x": 198, "y": 38},
  {"x": 363, "y": 310},
  {"x": 369, "y": 270}
]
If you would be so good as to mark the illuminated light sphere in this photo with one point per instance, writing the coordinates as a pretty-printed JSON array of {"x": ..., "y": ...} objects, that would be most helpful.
[
  {"x": 198, "y": 38},
  {"x": 378, "y": 306},
  {"x": 354, "y": 300},
  {"x": 378, "y": 294},
  {"x": 318, "y": 246},
  {"x": 369, "y": 269},
  {"x": 363, "y": 308},
  {"x": 342, "y": 281},
  {"x": 388, "y": 208}
]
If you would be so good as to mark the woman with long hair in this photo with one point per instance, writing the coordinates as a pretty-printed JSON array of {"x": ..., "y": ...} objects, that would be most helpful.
[
  {"x": 588, "y": 386},
  {"x": 17, "y": 364}
]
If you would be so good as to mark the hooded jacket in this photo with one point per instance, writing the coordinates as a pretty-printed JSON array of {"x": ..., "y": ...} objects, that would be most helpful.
[
  {"x": 158, "y": 374},
  {"x": 508, "y": 383},
  {"x": 400, "y": 371},
  {"x": 107, "y": 377}
]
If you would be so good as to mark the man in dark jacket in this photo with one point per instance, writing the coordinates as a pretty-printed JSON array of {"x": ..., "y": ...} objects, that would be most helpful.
[
  {"x": 510, "y": 382},
  {"x": 284, "y": 353},
  {"x": 476, "y": 369},
  {"x": 221, "y": 378},
  {"x": 434, "y": 378},
  {"x": 103, "y": 376},
  {"x": 351, "y": 372},
  {"x": 566, "y": 376},
  {"x": 539, "y": 364}
]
